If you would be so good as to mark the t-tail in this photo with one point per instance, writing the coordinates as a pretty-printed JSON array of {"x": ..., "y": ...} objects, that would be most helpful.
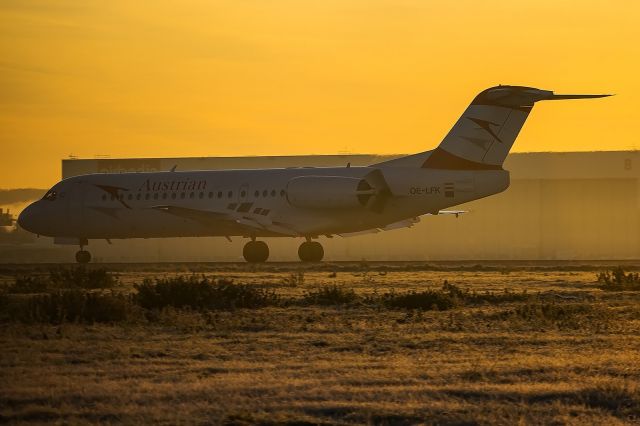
[{"x": 486, "y": 131}]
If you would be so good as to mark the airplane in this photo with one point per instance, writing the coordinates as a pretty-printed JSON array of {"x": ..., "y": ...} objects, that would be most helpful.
[{"x": 294, "y": 202}]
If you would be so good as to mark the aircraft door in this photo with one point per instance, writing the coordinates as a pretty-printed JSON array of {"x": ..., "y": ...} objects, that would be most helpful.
[{"x": 75, "y": 207}]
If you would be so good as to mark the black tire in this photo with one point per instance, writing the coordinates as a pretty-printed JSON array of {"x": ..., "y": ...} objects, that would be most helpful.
[
  {"x": 83, "y": 257},
  {"x": 256, "y": 252},
  {"x": 310, "y": 251}
]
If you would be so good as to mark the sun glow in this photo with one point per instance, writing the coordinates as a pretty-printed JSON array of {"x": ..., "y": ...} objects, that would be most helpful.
[{"x": 199, "y": 78}]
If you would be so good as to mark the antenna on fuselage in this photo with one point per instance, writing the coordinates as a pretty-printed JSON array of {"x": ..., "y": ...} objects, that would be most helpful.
[{"x": 173, "y": 169}]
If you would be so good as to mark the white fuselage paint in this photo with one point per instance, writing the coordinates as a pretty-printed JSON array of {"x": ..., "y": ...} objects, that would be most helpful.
[{"x": 129, "y": 206}]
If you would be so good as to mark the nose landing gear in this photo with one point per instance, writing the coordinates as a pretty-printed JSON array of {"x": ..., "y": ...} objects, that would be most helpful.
[
  {"x": 256, "y": 251},
  {"x": 83, "y": 256},
  {"x": 311, "y": 251}
]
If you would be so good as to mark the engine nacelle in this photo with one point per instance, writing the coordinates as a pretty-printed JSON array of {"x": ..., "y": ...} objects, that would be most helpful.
[{"x": 329, "y": 192}]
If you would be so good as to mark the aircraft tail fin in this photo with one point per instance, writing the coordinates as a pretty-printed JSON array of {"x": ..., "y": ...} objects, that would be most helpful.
[{"x": 484, "y": 134}]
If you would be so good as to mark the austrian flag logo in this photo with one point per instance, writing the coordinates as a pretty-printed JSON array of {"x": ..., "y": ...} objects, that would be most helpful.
[{"x": 449, "y": 189}]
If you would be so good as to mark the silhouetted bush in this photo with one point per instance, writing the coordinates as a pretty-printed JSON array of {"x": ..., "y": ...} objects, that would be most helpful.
[
  {"x": 448, "y": 297},
  {"x": 82, "y": 277},
  {"x": 618, "y": 280},
  {"x": 78, "y": 277},
  {"x": 201, "y": 294},
  {"x": 424, "y": 300},
  {"x": 562, "y": 315},
  {"x": 329, "y": 295},
  {"x": 29, "y": 284},
  {"x": 66, "y": 306},
  {"x": 552, "y": 311}
]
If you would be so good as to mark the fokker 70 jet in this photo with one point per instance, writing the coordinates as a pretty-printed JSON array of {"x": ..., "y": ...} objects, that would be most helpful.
[{"x": 294, "y": 202}]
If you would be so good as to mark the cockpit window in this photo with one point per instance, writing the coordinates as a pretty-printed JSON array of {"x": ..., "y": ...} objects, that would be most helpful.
[{"x": 50, "y": 195}]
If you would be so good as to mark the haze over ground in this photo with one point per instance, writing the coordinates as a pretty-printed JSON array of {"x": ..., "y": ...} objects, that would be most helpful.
[{"x": 199, "y": 78}]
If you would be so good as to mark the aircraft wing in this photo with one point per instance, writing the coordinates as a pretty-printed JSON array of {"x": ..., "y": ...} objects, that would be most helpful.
[
  {"x": 358, "y": 233},
  {"x": 407, "y": 223},
  {"x": 211, "y": 217},
  {"x": 206, "y": 217}
]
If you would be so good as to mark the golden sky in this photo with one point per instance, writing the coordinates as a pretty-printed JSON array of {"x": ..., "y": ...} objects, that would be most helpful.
[{"x": 269, "y": 77}]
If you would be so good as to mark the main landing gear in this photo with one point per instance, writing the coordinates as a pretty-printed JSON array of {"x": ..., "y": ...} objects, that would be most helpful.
[
  {"x": 310, "y": 251},
  {"x": 256, "y": 251},
  {"x": 83, "y": 256}
]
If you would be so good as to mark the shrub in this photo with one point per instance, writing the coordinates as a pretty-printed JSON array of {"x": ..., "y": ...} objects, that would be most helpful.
[
  {"x": 329, "y": 295},
  {"x": 552, "y": 311},
  {"x": 618, "y": 280},
  {"x": 448, "y": 297},
  {"x": 424, "y": 300},
  {"x": 82, "y": 277},
  {"x": 64, "y": 278},
  {"x": 29, "y": 284},
  {"x": 67, "y": 306},
  {"x": 562, "y": 315},
  {"x": 201, "y": 294}
]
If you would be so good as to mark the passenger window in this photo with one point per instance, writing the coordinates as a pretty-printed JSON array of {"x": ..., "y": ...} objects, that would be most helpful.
[
  {"x": 182, "y": 195},
  {"x": 243, "y": 193},
  {"x": 191, "y": 195},
  {"x": 104, "y": 197},
  {"x": 282, "y": 193},
  {"x": 210, "y": 194},
  {"x": 155, "y": 196},
  {"x": 219, "y": 194},
  {"x": 130, "y": 197},
  {"x": 201, "y": 195},
  {"x": 139, "y": 196},
  {"x": 265, "y": 193},
  {"x": 257, "y": 194},
  {"x": 273, "y": 192},
  {"x": 173, "y": 195},
  {"x": 230, "y": 194},
  {"x": 164, "y": 196},
  {"x": 147, "y": 196}
]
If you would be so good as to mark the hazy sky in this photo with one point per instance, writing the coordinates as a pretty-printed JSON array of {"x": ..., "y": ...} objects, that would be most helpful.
[{"x": 253, "y": 77}]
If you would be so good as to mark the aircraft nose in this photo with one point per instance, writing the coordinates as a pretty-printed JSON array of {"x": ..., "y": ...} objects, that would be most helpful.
[{"x": 29, "y": 218}]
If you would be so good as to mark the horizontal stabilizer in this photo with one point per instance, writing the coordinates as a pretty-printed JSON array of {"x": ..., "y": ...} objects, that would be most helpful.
[
  {"x": 559, "y": 97},
  {"x": 453, "y": 212}
]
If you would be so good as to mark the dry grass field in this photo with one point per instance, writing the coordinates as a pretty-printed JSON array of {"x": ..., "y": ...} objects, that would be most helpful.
[{"x": 527, "y": 344}]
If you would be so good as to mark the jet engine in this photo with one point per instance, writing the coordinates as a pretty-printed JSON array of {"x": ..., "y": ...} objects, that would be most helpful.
[{"x": 331, "y": 192}]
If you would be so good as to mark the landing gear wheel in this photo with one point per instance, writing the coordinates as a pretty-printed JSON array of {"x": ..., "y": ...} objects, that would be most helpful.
[
  {"x": 311, "y": 251},
  {"x": 256, "y": 252},
  {"x": 83, "y": 256}
]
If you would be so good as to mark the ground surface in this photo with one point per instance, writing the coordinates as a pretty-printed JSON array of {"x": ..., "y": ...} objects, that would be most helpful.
[{"x": 478, "y": 364}]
